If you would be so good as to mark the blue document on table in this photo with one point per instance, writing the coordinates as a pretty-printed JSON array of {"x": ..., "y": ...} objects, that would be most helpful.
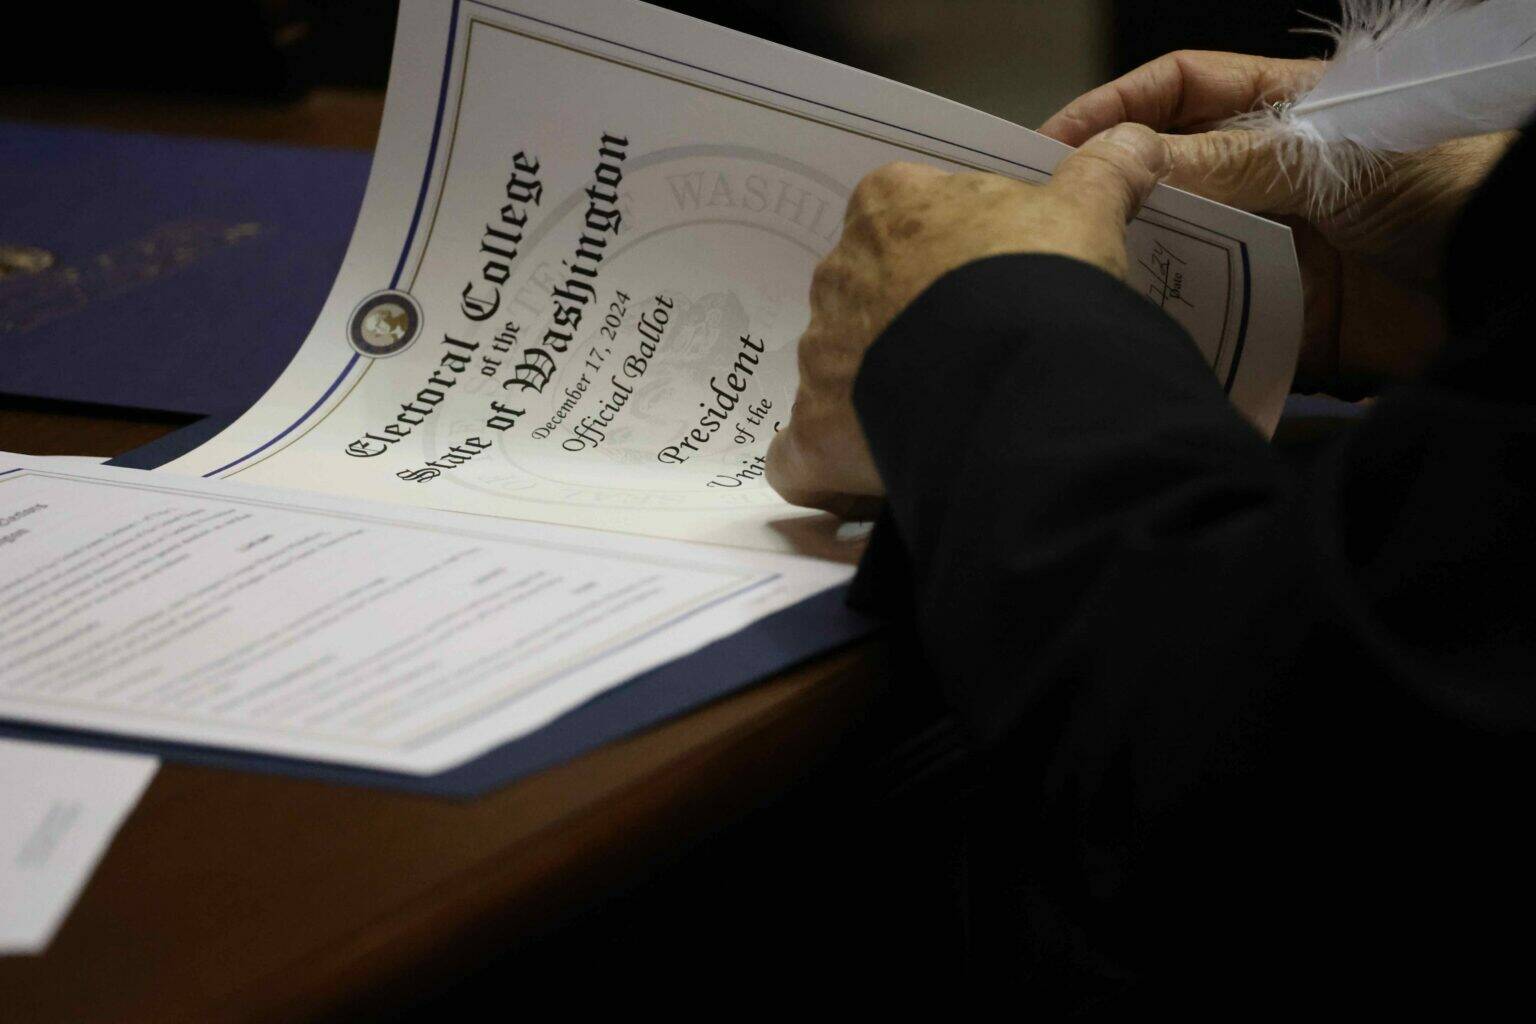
[{"x": 162, "y": 273}]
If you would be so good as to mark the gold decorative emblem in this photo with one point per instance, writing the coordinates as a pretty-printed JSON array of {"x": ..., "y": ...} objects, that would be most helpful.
[
  {"x": 384, "y": 323},
  {"x": 23, "y": 259}
]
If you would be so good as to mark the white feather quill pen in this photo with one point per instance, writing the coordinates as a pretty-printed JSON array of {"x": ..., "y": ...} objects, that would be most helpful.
[{"x": 1405, "y": 75}]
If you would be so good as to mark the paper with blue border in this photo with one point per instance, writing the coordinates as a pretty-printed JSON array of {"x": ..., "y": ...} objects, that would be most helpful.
[{"x": 600, "y": 221}]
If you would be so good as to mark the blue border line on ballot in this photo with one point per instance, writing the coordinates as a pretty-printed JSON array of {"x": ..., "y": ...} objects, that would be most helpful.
[{"x": 405, "y": 250}]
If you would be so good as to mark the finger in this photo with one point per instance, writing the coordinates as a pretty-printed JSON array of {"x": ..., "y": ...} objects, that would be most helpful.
[
  {"x": 1240, "y": 168},
  {"x": 1182, "y": 90},
  {"x": 875, "y": 190},
  {"x": 831, "y": 279},
  {"x": 819, "y": 460},
  {"x": 1114, "y": 171},
  {"x": 791, "y": 474}
]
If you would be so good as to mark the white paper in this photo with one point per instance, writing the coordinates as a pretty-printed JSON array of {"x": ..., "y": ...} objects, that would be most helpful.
[
  {"x": 707, "y": 172},
  {"x": 225, "y": 614},
  {"x": 59, "y": 809}
]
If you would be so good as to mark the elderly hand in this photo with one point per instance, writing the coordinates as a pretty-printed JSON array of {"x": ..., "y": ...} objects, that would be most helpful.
[
  {"x": 1370, "y": 262},
  {"x": 906, "y": 226}
]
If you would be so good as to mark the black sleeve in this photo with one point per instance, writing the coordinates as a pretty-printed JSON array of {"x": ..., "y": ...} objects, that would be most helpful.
[
  {"x": 1037, "y": 425},
  {"x": 1209, "y": 717}
]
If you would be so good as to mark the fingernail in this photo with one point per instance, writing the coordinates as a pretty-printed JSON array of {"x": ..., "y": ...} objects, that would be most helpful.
[{"x": 1148, "y": 146}]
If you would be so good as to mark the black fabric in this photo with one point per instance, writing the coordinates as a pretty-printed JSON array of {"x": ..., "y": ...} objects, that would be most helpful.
[{"x": 1253, "y": 733}]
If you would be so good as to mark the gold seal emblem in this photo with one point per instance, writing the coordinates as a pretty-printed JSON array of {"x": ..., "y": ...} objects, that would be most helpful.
[
  {"x": 385, "y": 323},
  {"x": 23, "y": 259}
]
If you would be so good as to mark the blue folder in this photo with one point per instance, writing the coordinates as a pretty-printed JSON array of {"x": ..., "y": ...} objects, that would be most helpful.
[{"x": 161, "y": 273}]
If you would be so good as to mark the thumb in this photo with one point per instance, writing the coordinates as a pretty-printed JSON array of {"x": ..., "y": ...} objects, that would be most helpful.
[
  {"x": 1117, "y": 169},
  {"x": 1240, "y": 168}
]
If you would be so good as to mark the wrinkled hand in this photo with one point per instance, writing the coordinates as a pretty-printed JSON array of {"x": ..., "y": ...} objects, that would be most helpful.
[
  {"x": 1370, "y": 263},
  {"x": 906, "y": 226}
]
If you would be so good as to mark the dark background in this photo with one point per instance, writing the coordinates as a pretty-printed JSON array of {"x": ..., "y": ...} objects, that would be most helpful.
[{"x": 1016, "y": 58}]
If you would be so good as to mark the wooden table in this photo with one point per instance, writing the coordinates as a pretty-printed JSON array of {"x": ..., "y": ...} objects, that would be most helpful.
[{"x": 232, "y": 896}]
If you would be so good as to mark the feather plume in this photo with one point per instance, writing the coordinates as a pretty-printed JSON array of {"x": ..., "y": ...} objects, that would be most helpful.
[{"x": 1405, "y": 75}]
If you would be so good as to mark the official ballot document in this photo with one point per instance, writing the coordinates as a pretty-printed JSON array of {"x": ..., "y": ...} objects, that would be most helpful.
[
  {"x": 519, "y": 458},
  {"x": 583, "y": 261}
]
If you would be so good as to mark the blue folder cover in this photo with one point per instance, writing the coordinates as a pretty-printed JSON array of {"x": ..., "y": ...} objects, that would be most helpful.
[{"x": 184, "y": 273}]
